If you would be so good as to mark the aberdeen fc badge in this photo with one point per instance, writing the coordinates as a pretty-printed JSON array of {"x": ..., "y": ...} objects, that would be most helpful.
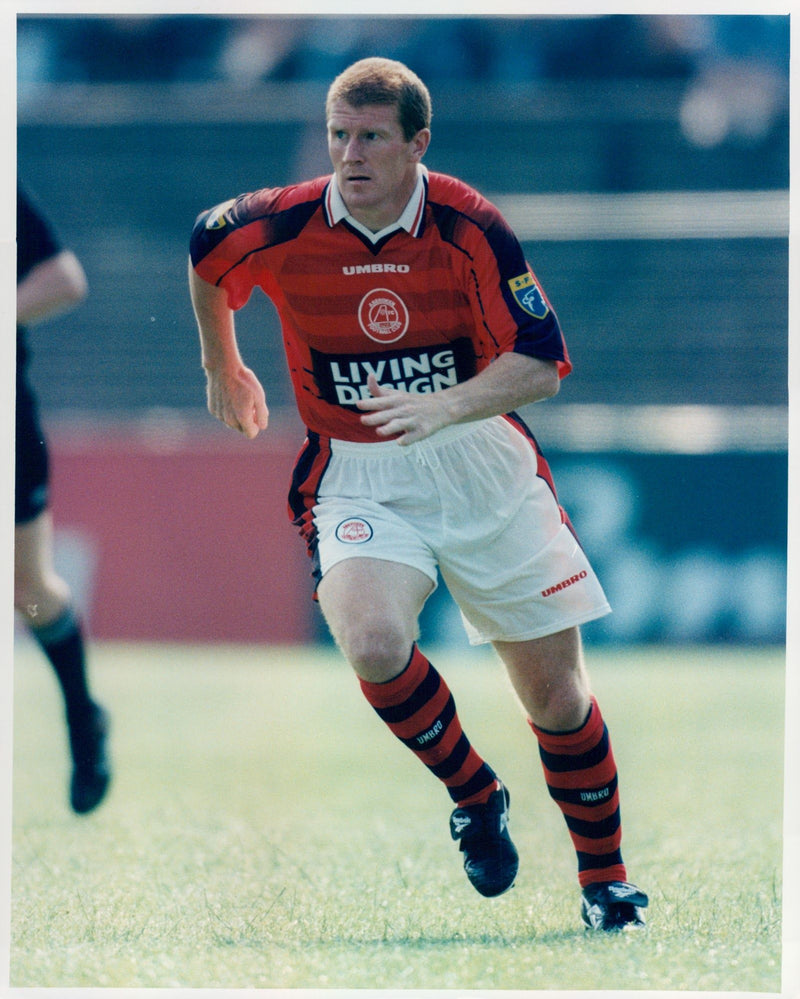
[
  {"x": 528, "y": 295},
  {"x": 383, "y": 315},
  {"x": 354, "y": 531}
]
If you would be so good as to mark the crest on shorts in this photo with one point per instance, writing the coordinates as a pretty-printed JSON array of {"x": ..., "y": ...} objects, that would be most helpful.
[
  {"x": 353, "y": 531},
  {"x": 528, "y": 295},
  {"x": 383, "y": 315}
]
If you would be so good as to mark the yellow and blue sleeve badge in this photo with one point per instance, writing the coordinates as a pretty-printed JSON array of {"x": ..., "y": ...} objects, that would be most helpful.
[
  {"x": 216, "y": 217},
  {"x": 528, "y": 295}
]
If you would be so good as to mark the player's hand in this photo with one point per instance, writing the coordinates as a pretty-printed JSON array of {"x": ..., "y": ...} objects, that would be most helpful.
[
  {"x": 408, "y": 416},
  {"x": 238, "y": 400}
]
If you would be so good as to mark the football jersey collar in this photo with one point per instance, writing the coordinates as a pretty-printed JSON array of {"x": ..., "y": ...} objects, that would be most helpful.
[{"x": 410, "y": 219}]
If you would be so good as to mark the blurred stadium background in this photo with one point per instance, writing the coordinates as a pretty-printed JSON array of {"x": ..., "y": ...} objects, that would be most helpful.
[{"x": 643, "y": 160}]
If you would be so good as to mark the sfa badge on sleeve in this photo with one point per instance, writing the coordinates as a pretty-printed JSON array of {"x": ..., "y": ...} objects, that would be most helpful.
[{"x": 528, "y": 295}]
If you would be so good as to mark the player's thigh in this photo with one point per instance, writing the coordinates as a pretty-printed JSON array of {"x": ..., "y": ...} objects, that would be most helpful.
[
  {"x": 372, "y": 608},
  {"x": 510, "y": 561},
  {"x": 36, "y": 583},
  {"x": 33, "y": 547},
  {"x": 376, "y": 572},
  {"x": 516, "y": 589}
]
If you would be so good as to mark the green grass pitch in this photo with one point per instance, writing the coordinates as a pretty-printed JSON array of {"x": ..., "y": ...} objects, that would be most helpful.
[{"x": 264, "y": 830}]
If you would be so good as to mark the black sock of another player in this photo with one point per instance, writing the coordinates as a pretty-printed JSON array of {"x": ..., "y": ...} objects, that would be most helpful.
[{"x": 62, "y": 643}]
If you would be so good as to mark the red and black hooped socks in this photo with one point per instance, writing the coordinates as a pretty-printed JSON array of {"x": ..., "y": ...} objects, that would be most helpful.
[
  {"x": 419, "y": 709},
  {"x": 581, "y": 776}
]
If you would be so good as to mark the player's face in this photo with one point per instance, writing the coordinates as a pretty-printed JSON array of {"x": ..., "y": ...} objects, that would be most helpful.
[{"x": 375, "y": 165}]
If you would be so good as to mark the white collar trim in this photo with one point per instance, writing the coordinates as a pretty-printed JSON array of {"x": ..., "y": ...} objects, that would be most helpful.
[{"x": 409, "y": 219}]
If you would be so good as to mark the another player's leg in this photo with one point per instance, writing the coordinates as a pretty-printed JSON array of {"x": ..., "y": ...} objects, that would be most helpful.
[
  {"x": 581, "y": 774},
  {"x": 372, "y": 607},
  {"x": 44, "y": 601}
]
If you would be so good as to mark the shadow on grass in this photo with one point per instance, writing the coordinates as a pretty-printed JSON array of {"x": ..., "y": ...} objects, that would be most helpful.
[{"x": 443, "y": 940}]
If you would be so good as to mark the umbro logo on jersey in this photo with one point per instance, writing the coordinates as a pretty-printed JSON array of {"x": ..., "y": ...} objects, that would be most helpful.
[{"x": 377, "y": 269}]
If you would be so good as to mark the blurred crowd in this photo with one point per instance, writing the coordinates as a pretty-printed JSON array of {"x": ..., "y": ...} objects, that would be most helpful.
[{"x": 735, "y": 66}]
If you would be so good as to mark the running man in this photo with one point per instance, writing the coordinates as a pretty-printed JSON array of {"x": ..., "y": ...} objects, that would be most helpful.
[
  {"x": 50, "y": 280},
  {"x": 414, "y": 329}
]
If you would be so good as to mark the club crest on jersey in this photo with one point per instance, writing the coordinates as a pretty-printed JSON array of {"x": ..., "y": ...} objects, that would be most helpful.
[
  {"x": 528, "y": 295},
  {"x": 216, "y": 218},
  {"x": 383, "y": 315},
  {"x": 354, "y": 531}
]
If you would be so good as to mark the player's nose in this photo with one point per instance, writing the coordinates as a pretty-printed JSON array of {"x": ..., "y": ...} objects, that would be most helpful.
[{"x": 353, "y": 151}]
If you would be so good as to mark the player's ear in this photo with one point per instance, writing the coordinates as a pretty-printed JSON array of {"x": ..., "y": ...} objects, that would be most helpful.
[{"x": 420, "y": 143}]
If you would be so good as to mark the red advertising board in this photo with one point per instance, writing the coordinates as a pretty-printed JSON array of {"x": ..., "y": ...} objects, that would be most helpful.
[{"x": 186, "y": 534}]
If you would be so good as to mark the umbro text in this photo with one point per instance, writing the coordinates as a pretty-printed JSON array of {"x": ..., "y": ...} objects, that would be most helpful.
[
  {"x": 565, "y": 583},
  {"x": 377, "y": 269},
  {"x": 431, "y": 733},
  {"x": 600, "y": 795}
]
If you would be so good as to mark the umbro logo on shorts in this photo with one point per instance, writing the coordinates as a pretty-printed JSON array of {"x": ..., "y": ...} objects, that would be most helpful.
[
  {"x": 565, "y": 583},
  {"x": 354, "y": 531}
]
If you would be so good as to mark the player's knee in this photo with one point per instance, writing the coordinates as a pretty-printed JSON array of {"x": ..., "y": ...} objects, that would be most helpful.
[
  {"x": 38, "y": 596},
  {"x": 27, "y": 590},
  {"x": 377, "y": 650},
  {"x": 27, "y": 603},
  {"x": 558, "y": 707}
]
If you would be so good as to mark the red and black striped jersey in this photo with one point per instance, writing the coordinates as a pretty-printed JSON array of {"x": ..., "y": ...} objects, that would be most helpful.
[{"x": 421, "y": 309}]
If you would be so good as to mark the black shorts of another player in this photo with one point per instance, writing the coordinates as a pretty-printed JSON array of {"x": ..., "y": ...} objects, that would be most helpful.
[{"x": 32, "y": 461}]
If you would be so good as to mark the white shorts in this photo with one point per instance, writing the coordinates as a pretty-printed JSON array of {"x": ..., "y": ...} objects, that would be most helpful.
[{"x": 475, "y": 500}]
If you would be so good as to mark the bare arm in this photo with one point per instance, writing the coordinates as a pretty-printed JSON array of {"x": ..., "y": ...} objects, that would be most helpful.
[
  {"x": 235, "y": 396},
  {"x": 55, "y": 285},
  {"x": 510, "y": 381}
]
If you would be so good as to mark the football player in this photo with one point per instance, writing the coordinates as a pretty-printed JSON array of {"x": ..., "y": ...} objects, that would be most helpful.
[
  {"x": 414, "y": 328},
  {"x": 50, "y": 280}
]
